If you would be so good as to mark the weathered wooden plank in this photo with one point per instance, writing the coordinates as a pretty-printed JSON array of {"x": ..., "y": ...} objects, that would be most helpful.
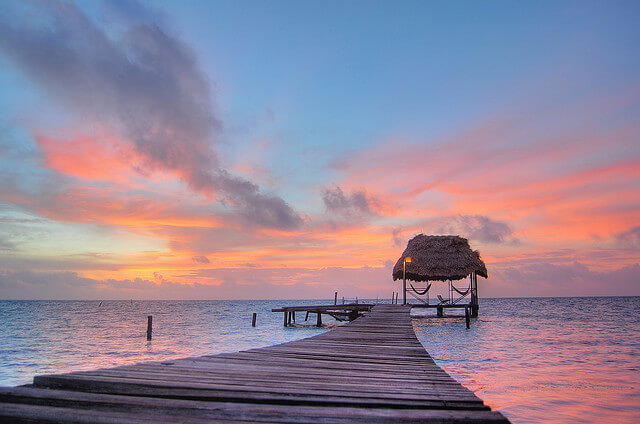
[
  {"x": 109, "y": 384},
  {"x": 296, "y": 375},
  {"x": 233, "y": 411},
  {"x": 335, "y": 386},
  {"x": 321, "y": 365}
]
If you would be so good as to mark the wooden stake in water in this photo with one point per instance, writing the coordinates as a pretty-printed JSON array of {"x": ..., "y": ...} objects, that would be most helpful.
[
  {"x": 253, "y": 321},
  {"x": 335, "y": 298},
  {"x": 149, "y": 326}
]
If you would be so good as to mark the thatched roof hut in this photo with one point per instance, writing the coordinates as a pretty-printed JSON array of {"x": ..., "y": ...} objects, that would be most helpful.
[{"x": 439, "y": 258}]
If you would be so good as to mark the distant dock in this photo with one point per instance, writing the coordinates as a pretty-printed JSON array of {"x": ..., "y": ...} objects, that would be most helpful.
[
  {"x": 371, "y": 370},
  {"x": 344, "y": 312}
]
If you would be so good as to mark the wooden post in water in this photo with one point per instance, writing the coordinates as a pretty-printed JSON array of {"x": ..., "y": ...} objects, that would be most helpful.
[
  {"x": 253, "y": 321},
  {"x": 149, "y": 326},
  {"x": 335, "y": 298},
  {"x": 285, "y": 317},
  {"x": 467, "y": 318},
  {"x": 319, "y": 321},
  {"x": 439, "y": 311}
]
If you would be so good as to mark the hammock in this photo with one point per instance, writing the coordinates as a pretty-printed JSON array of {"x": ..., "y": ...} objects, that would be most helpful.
[
  {"x": 461, "y": 293},
  {"x": 421, "y": 293}
]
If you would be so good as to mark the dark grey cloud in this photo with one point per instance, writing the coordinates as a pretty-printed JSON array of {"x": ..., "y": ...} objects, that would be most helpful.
[
  {"x": 395, "y": 234},
  {"x": 146, "y": 85},
  {"x": 131, "y": 12},
  {"x": 6, "y": 244},
  {"x": 475, "y": 227},
  {"x": 200, "y": 259},
  {"x": 353, "y": 205},
  {"x": 57, "y": 285},
  {"x": 630, "y": 238}
]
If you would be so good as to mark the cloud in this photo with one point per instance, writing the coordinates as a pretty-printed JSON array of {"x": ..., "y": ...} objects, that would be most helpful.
[
  {"x": 145, "y": 85},
  {"x": 6, "y": 244},
  {"x": 630, "y": 238},
  {"x": 200, "y": 259},
  {"x": 530, "y": 279},
  {"x": 87, "y": 158},
  {"x": 225, "y": 283},
  {"x": 475, "y": 227},
  {"x": 353, "y": 205},
  {"x": 31, "y": 285},
  {"x": 575, "y": 279},
  {"x": 395, "y": 234}
]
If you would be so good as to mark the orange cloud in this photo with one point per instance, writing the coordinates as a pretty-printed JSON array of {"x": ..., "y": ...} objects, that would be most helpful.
[{"x": 89, "y": 158}]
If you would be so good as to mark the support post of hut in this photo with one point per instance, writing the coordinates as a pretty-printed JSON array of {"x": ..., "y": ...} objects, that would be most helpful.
[
  {"x": 319, "y": 320},
  {"x": 466, "y": 316},
  {"x": 474, "y": 295}
]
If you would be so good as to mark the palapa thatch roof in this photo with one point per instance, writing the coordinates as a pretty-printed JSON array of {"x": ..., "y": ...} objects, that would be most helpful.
[{"x": 439, "y": 258}]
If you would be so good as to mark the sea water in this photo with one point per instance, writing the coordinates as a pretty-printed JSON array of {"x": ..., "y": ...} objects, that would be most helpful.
[
  {"x": 546, "y": 360},
  {"x": 534, "y": 359}
]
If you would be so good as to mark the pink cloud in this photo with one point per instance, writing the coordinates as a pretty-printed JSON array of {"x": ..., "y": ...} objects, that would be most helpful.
[{"x": 89, "y": 158}]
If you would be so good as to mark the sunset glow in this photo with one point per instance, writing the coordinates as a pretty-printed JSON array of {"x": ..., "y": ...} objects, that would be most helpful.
[{"x": 161, "y": 152}]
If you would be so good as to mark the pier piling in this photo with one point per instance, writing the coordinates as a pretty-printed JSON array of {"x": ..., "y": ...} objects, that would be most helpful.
[{"x": 149, "y": 326}]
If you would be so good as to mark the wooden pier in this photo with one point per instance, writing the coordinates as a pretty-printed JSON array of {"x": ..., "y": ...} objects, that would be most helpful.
[
  {"x": 344, "y": 312},
  {"x": 371, "y": 370}
]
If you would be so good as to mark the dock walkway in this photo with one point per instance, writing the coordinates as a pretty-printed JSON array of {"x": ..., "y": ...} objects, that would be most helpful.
[{"x": 372, "y": 370}]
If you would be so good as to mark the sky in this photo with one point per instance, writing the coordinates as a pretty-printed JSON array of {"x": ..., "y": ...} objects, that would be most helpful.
[{"x": 284, "y": 149}]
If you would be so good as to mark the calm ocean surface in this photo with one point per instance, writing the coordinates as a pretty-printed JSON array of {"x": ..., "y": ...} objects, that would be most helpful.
[{"x": 534, "y": 359}]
